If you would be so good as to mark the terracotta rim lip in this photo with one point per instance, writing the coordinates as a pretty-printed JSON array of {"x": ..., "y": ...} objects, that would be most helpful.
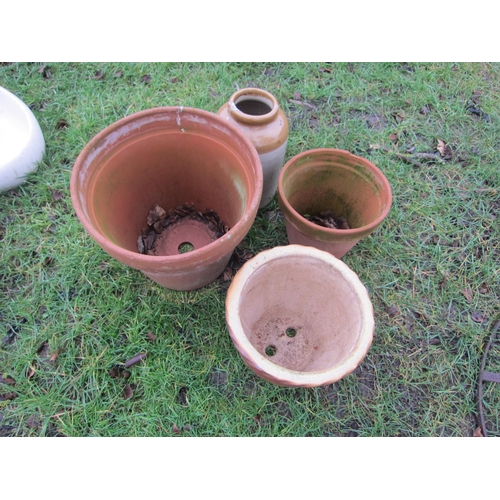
[
  {"x": 294, "y": 377},
  {"x": 325, "y": 230},
  {"x": 236, "y": 233},
  {"x": 252, "y": 92}
]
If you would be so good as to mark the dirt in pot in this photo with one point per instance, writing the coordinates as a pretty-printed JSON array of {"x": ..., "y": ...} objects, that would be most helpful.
[
  {"x": 328, "y": 219},
  {"x": 180, "y": 230}
]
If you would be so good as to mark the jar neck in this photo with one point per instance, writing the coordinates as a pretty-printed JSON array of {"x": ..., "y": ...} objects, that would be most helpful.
[{"x": 253, "y": 106}]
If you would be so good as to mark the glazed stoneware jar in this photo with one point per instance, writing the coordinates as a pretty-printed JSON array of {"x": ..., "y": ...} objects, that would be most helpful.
[{"x": 258, "y": 115}]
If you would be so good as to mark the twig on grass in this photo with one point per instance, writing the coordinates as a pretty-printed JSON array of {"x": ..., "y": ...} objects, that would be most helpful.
[{"x": 412, "y": 158}]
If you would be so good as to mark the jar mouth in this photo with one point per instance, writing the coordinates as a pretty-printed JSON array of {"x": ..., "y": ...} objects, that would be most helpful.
[{"x": 253, "y": 105}]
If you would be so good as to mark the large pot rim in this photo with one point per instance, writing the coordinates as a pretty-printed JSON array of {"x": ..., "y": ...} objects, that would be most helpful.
[
  {"x": 279, "y": 373},
  {"x": 142, "y": 261},
  {"x": 298, "y": 219}
]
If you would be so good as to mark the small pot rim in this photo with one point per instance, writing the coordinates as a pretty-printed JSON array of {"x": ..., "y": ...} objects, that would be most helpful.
[
  {"x": 277, "y": 372},
  {"x": 346, "y": 233},
  {"x": 252, "y": 119},
  {"x": 234, "y": 235}
]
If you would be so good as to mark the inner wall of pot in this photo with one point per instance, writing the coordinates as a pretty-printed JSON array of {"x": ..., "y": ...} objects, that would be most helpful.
[
  {"x": 170, "y": 168},
  {"x": 302, "y": 309},
  {"x": 254, "y": 105},
  {"x": 349, "y": 191}
]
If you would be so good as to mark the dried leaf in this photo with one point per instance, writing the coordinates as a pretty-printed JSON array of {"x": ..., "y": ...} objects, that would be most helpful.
[
  {"x": 182, "y": 396},
  {"x": 44, "y": 70},
  {"x": 228, "y": 274},
  {"x": 62, "y": 124},
  {"x": 151, "y": 336},
  {"x": 399, "y": 116},
  {"x": 57, "y": 195},
  {"x": 54, "y": 355},
  {"x": 393, "y": 311},
  {"x": 155, "y": 214},
  {"x": 176, "y": 429},
  {"x": 7, "y": 380},
  {"x": 135, "y": 359},
  {"x": 128, "y": 392},
  {"x": 118, "y": 74},
  {"x": 32, "y": 422},
  {"x": 393, "y": 137},
  {"x": 259, "y": 420},
  {"x": 99, "y": 75},
  {"x": 9, "y": 396},
  {"x": 42, "y": 347},
  {"x": 145, "y": 79},
  {"x": 468, "y": 294},
  {"x": 477, "y": 317},
  {"x": 478, "y": 433},
  {"x": 297, "y": 96},
  {"x": 444, "y": 150},
  {"x": 30, "y": 372},
  {"x": 425, "y": 109},
  {"x": 375, "y": 121}
]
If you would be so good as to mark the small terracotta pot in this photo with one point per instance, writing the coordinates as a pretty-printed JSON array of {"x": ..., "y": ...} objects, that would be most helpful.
[
  {"x": 336, "y": 180},
  {"x": 258, "y": 115},
  {"x": 170, "y": 156},
  {"x": 299, "y": 316}
]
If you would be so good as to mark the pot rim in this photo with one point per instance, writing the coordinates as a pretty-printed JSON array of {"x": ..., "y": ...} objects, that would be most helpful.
[
  {"x": 368, "y": 228},
  {"x": 234, "y": 235},
  {"x": 277, "y": 372},
  {"x": 252, "y": 92}
]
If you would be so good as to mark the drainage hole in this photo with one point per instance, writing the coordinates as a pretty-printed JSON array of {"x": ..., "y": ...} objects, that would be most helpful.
[
  {"x": 185, "y": 247},
  {"x": 291, "y": 332},
  {"x": 271, "y": 350}
]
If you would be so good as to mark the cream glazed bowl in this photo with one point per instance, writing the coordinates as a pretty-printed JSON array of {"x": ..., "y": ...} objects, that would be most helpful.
[
  {"x": 299, "y": 317},
  {"x": 21, "y": 141}
]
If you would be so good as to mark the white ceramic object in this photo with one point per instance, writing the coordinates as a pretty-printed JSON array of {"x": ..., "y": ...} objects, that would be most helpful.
[
  {"x": 299, "y": 317},
  {"x": 21, "y": 141}
]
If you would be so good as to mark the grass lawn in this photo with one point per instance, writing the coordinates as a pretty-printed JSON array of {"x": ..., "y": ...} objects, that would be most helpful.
[{"x": 69, "y": 313}]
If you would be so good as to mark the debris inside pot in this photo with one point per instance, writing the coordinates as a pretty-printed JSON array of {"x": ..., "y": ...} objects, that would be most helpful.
[
  {"x": 183, "y": 223},
  {"x": 328, "y": 219}
]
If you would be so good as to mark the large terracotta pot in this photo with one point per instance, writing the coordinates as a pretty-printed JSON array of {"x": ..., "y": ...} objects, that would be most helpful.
[
  {"x": 170, "y": 156},
  {"x": 299, "y": 316},
  {"x": 335, "y": 180},
  {"x": 258, "y": 115}
]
